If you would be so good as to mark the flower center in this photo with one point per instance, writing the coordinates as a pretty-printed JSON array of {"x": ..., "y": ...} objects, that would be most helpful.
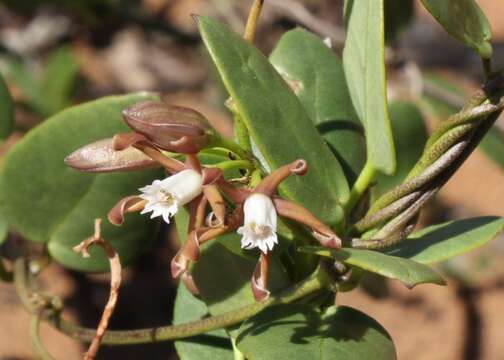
[
  {"x": 165, "y": 197},
  {"x": 260, "y": 230}
]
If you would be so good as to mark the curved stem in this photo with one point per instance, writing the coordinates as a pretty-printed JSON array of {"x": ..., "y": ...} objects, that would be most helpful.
[
  {"x": 36, "y": 341},
  {"x": 238, "y": 355},
  {"x": 360, "y": 187},
  {"x": 318, "y": 280},
  {"x": 234, "y": 164},
  {"x": 253, "y": 19},
  {"x": 219, "y": 141}
]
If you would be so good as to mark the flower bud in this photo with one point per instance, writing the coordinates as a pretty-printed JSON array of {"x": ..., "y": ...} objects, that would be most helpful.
[
  {"x": 169, "y": 127},
  {"x": 100, "y": 156}
]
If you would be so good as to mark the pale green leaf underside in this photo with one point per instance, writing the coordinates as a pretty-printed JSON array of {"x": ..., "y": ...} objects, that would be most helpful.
[
  {"x": 409, "y": 272},
  {"x": 364, "y": 64},
  {"x": 442, "y": 242}
]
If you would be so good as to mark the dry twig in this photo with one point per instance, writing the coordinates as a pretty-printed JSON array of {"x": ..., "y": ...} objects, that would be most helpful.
[{"x": 115, "y": 283}]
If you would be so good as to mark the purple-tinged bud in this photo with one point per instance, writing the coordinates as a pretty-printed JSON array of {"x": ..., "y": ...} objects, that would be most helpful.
[
  {"x": 100, "y": 156},
  {"x": 169, "y": 127}
]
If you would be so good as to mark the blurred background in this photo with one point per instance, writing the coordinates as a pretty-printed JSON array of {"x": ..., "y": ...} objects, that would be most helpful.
[{"x": 57, "y": 53}]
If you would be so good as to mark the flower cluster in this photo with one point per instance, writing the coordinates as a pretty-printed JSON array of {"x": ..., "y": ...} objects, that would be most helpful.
[{"x": 252, "y": 212}]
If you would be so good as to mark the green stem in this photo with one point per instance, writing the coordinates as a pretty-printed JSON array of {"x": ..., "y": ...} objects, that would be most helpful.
[
  {"x": 255, "y": 178},
  {"x": 360, "y": 187},
  {"x": 219, "y": 141},
  {"x": 37, "y": 344},
  {"x": 241, "y": 133},
  {"x": 318, "y": 280},
  {"x": 234, "y": 164},
  {"x": 238, "y": 355}
]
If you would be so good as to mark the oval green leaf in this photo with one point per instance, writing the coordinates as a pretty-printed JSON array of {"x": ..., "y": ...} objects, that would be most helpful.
[
  {"x": 294, "y": 331},
  {"x": 46, "y": 201},
  {"x": 410, "y": 136},
  {"x": 6, "y": 110},
  {"x": 277, "y": 122},
  {"x": 364, "y": 64},
  {"x": 464, "y": 20},
  {"x": 410, "y": 272},
  {"x": 213, "y": 345},
  {"x": 442, "y": 242},
  {"x": 316, "y": 75}
]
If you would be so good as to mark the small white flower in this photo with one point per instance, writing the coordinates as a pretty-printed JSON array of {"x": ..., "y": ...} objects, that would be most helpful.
[
  {"x": 328, "y": 42},
  {"x": 260, "y": 223},
  {"x": 164, "y": 197}
]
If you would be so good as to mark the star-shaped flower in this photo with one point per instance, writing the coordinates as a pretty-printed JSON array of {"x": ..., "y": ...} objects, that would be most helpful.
[{"x": 165, "y": 197}]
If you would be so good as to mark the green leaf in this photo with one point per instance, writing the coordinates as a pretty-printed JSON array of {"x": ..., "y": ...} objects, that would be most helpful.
[
  {"x": 6, "y": 111},
  {"x": 4, "y": 229},
  {"x": 444, "y": 241},
  {"x": 50, "y": 91},
  {"x": 410, "y": 272},
  {"x": 410, "y": 136},
  {"x": 223, "y": 278},
  {"x": 58, "y": 80},
  {"x": 277, "y": 122},
  {"x": 213, "y": 345},
  {"x": 296, "y": 331},
  {"x": 46, "y": 201},
  {"x": 364, "y": 64},
  {"x": 316, "y": 75},
  {"x": 464, "y": 20},
  {"x": 440, "y": 107}
]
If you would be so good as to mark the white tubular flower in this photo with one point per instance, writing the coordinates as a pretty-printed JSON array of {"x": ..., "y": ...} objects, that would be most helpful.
[
  {"x": 260, "y": 223},
  {"x": 164, "y": 197}
]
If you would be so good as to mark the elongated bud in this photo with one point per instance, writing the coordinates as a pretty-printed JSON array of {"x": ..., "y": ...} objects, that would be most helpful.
[
  {"x": 259, "y": 280},
  {"x": 169, "y": 127},
  {"x": 100, "y": 156}
]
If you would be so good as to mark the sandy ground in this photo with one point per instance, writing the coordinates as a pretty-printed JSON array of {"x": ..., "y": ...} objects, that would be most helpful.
[{"x": 426, "y": 323}]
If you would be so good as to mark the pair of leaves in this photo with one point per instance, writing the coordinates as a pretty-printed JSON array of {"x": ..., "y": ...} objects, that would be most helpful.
[
  {"x": 277, "y": 122},
  {"x": 407, "y": 261},
  {"x": 46, "y": 201},
  {"x": 316, "y": 75}
]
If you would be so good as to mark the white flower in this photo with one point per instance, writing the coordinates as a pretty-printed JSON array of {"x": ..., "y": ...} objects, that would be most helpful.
[
  {"x": 260, "y": 224},
  {"x": 164, "y": 197}
]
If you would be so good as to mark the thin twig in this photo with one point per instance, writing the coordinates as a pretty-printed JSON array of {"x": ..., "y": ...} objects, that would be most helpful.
[{"x": 115, "y": 284}]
